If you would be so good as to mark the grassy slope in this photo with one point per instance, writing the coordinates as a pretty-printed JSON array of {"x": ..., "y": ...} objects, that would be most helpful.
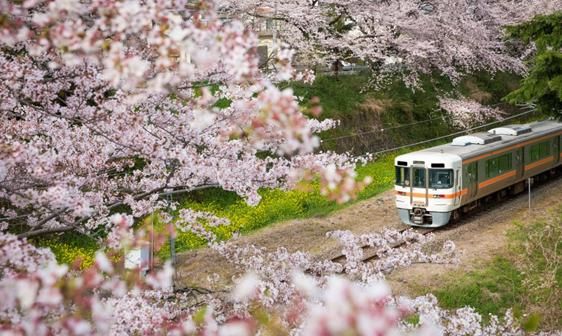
[
  {"x": 361, "y": 110},
  {"x": 490, "y": 290},
  {"x": 527, "y": 280}
]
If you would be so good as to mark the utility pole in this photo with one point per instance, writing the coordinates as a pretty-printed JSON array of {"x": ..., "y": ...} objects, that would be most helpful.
[
  {"x": 172, "y": 237},
  {"x": 171, "y": 166},
  {"x": 151, "y": 258},
  {"x": 529, "y": 181}
]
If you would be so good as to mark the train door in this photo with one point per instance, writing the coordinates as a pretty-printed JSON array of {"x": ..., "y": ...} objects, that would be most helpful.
[
  {"x": 520, "y": 162},
  {"x": 458, "y": 187},
  {"x": 420, "y": 179},
  {"x": 472, "y": 179}
]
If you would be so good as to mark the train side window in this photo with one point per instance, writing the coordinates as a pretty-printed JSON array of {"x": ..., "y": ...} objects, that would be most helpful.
[
  {"x": 499, "y": 165},
  {"x": 505, "y": 162},
  {"x": 534, "y": 153},
  {"x": 545, "y": 149},
  {"x": 473, "y": 171},
  {"x": 492, "y": 168},
  {"x": 539, "y": 151}
]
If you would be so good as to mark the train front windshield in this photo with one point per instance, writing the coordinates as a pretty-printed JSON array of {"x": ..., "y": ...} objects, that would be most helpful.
[
  {"x": 403, "y": 176},
  {"x": 440, "y": 178}
]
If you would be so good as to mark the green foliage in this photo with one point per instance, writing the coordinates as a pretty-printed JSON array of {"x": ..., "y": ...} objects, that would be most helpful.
[
  {"x": 544, "y": 30},
  {"x": 491, "y": 290},
  {"x": 528, "y": 279},
  {"x": 543, "y": 85}
]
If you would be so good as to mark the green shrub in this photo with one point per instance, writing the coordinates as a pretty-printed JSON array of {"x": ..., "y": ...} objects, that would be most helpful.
[{"x": 491, "y": 290}]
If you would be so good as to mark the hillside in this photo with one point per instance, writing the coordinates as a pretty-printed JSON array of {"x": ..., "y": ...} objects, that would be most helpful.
[{"x": 373, "y": 120}]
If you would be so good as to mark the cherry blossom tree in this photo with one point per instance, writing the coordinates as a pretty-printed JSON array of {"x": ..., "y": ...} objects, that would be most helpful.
[
  {"x": 112, "y": 104},
  {"x": 466, "y": 113},
  {"x": 409, "y": 37}
]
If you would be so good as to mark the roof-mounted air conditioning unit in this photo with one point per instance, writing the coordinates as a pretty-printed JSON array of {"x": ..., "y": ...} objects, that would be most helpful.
[
  {"x": 511, "y": 130},
  {"x": 476, "y": 139}
]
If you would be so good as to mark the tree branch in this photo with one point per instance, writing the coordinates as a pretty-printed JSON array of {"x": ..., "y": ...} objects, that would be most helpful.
[{"x": 73, "y": 226}]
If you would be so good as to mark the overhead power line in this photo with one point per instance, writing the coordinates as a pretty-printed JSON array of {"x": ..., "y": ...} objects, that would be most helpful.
[
  {"x": 402, "y": 125},
  {"x": 382, "y": 129},
  {"x": 453, "y": 134}
]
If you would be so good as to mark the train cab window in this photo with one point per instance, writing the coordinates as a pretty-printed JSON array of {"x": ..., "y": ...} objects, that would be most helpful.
[
  {"x": 440, "y": 178},
  {"x": 419, "y": 177},
  {"x": 403, "y": 176}
]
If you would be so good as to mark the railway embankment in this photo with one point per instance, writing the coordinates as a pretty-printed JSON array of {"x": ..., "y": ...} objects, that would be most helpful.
[{"x": 480, "y": 237}]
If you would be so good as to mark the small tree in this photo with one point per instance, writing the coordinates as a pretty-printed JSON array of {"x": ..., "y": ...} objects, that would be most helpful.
[{"x": 543, "y": 85}]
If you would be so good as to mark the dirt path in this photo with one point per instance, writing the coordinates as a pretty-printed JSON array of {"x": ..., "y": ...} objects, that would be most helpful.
[{"x": 479, "y": 237}]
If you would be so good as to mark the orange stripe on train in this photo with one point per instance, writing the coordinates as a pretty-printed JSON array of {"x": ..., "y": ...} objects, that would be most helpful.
[
  {"x": 539, "y": 163},
  {"x": 484, "y": 184},
  {"x": 507, "y": 149},
  {"x": 422, "y": 195},
  {"x": 496, "y": 179}
]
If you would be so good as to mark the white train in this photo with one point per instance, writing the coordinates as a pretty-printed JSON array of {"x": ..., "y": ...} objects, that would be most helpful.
[{"x": 440, "y": 183}]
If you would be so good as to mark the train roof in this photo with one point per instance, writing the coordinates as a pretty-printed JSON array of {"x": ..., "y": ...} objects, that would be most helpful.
[{"x": 495, "y": 139}]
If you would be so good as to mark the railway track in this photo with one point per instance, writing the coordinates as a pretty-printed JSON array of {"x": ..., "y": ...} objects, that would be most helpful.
[{"x": 369, "y": 252}]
